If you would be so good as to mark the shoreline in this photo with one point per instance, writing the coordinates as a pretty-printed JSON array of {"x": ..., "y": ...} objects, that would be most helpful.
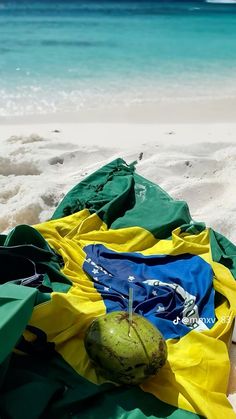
[{"x": 201, "y": 110}]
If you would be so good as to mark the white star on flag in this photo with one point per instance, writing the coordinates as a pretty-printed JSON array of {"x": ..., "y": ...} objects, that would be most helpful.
[
  {"x": 95, "y": 271},
  {"x": 160, "y": 308},
  {"x": 154, "y": 292},
  {"x": 131, "y": 278},
  {"x": 106, "y": 289},
  {"x": 95, "y": 278}
]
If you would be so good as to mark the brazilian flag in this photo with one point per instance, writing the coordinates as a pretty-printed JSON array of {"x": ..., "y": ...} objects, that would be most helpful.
[{"x": 113, "y": 228}]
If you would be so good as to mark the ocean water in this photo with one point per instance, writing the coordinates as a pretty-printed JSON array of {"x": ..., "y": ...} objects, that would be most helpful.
[{"x": 62, "y": 56}]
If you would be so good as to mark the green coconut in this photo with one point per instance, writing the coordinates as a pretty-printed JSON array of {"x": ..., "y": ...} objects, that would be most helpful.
[{"x": 125, "y": 352}]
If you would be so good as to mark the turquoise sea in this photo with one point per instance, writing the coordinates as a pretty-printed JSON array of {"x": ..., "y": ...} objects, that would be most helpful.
[{"x": 67, "y": 55}]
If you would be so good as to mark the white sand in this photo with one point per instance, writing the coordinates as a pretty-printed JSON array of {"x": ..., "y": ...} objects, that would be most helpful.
[
  {"x": 195, "y": 163},
  {"x": 192, "y": 162}
]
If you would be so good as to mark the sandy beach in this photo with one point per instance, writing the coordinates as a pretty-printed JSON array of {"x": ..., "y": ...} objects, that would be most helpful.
[{"x": 193, "y": 162}]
